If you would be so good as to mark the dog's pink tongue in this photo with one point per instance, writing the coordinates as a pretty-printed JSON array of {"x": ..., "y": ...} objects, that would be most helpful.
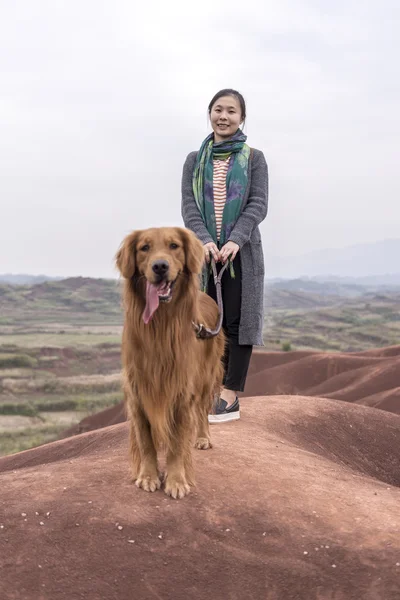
[{"x": 152, "y": 302}]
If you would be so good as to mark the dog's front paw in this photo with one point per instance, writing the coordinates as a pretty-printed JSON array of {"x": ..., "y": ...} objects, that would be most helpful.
[
  {"x": 148, "y": 483},
  {"x": 176, "y": 487},
  {"x": 203, "y": 443}
]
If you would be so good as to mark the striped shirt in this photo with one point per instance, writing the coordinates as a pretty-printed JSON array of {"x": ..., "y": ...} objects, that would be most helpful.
[{"x": 219, "y": 189}]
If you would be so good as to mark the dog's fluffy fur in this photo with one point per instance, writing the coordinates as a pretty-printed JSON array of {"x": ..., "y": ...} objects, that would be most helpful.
[{"x": 170, "y": 376}]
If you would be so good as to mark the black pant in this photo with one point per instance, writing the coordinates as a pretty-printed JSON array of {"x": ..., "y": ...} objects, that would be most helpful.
[{"x": 236, "y": 358}]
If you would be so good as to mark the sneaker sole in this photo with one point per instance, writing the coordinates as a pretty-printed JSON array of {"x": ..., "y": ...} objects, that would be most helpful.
[{"x": 224, "y": 418}]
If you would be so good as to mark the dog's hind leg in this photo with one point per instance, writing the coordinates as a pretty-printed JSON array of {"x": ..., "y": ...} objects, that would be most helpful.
[
  {"x": 204, "y": 401},
  {"x": 134, "y": 451},
  {"x": 203, "y": 438},
  {"x": 143, "y": 452},
  {"x": 203, "y": 404}
]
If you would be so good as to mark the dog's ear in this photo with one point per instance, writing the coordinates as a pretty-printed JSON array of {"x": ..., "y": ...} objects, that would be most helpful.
[
  {"x": 194, "y": 252},
  {"x": 125, "y": 259}
]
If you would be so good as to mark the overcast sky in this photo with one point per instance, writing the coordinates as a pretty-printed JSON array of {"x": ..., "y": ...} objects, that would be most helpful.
[{"x": 101, "y": 100}]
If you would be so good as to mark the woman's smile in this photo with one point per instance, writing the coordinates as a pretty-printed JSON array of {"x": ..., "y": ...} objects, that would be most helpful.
[{"x": 225, "y": 117}]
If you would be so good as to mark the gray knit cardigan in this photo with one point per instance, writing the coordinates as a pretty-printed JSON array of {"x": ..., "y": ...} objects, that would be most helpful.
[{"x": 246, "y": 234}]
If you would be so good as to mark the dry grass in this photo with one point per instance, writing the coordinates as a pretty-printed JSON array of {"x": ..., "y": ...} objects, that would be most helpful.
[
  {"x": 29, "y": 437},
  {"x": 62, "y": 385},
  {"x": 57, "y": 340}
]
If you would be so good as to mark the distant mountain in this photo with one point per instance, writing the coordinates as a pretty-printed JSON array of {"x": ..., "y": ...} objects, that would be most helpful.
[
  {"x": 69, "y": 298},
  {"x": 392, "y": 280},
  {"x": 372, "y": 264},
  {"x": 377, "y": 263},
  {"x": 312, "y": 287},
  {"x": 337, "y": 286},
  {"x": 22, "y": 279}
]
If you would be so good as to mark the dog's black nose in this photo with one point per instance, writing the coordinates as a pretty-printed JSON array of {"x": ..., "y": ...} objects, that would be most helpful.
[{"x": 160, "y": 267}]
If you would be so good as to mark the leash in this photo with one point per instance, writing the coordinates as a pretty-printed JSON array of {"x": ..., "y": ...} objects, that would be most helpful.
[{"x": 203, "y": 332}]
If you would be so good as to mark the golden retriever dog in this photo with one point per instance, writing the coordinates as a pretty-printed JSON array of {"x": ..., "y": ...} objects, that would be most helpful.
[{"x": 170, "y": 376}]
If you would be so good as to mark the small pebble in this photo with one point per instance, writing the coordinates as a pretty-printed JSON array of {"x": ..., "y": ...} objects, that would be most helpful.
[
  {"x": 23, "y": 514},
  {"x": 1, "y": 526},
  {"x": 227, "y": 529},
  {"x": 265, "y": 533},
  {"x": 305, "y": 552},
  {"x": 41, "y": 523},
  {"x": 326, "y": 546},
  {"x": 76, "y": 524},
  {"x": 120, "y": 527},
  {"x": 47, "y": 514},
  {"x": 397, "y": 564},
  {"x": 131, "y": 541},
  {"x": 161, "y": 536},
  {"x": 37, "y": 514},
  {"x": 317, "y": 549},
  {"x": 40, "y": 566},
  {"x": 90, "y": 502},
  {"x": 333, "y": 566}
]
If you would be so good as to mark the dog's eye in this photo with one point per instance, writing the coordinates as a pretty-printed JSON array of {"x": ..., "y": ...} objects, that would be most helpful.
[
  {"x": 145, "y": 248},
  {"x": 173, "y": 246}
]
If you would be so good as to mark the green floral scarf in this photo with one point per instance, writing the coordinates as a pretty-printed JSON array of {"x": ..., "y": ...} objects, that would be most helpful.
[{"x": 236, "y": 182}]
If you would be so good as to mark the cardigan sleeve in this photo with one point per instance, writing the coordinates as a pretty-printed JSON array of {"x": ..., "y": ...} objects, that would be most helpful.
[
  {"x": 256, "y": 207},
  {"x": 192, "y": 218}
]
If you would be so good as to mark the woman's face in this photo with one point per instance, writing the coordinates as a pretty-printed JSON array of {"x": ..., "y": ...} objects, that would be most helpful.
[{"x": 225, "y": 117}]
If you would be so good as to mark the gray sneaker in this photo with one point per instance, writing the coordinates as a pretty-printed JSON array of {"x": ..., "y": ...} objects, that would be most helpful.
[{"x": 222, "y": 414}]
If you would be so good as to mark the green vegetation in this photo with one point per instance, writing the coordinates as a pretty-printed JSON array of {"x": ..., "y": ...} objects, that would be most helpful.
[
  {"x": 16, "y": 360},
  {"x": 86, "y": 404},
  {"x": 349, "y": 324},
  {"x": 59, "y": 358},
  {"x": 18, "y": 408},
  {"x": 16, "y": 441},
  {"x": 57, "y": 340}
]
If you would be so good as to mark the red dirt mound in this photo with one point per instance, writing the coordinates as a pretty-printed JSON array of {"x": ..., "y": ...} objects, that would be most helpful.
[
  {"x": 302, "y": 372},
  {"x": 297, "y": 501},
  {"x": 109, "y": 416},
  {"x": 389, "y": 400},
  {"x": 388, "y": 351},
  {"x": 371, "y": 378}
]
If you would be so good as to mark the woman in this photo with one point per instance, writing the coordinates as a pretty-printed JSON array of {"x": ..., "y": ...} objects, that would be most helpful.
[{"x": 224, "y": 199}]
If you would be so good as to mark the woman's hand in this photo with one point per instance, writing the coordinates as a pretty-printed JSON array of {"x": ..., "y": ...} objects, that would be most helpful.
[
  {"x": 211, "y": 249},
  {"x": 230, "y": 249}
]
